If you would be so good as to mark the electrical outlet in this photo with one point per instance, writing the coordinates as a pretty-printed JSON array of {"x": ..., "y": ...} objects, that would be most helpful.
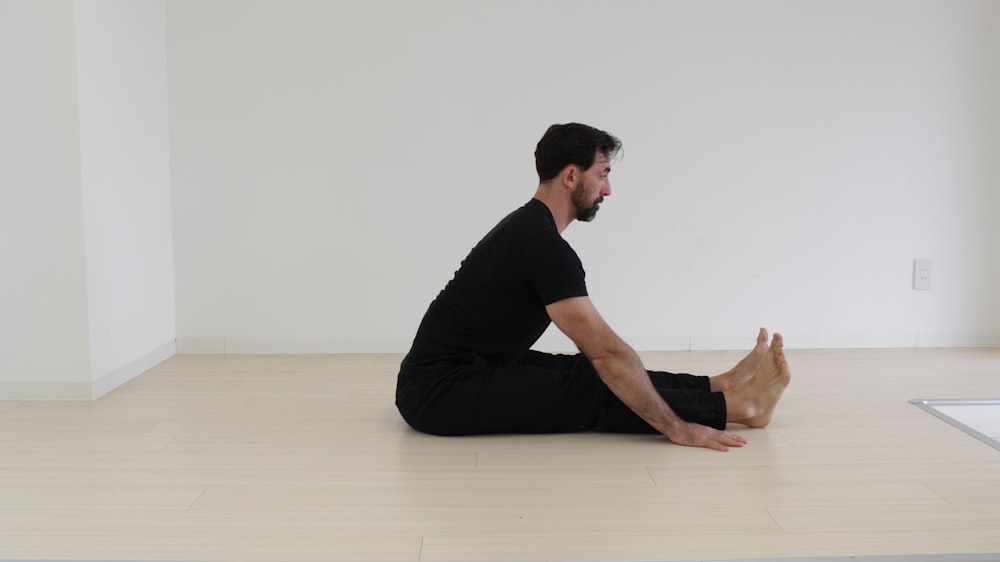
[{"x": 922, "y": 274}]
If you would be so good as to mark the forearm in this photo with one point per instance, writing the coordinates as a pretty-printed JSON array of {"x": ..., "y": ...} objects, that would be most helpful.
[
  {"x": 623, "y": 372},
  {"x": 619, "y": 367}
]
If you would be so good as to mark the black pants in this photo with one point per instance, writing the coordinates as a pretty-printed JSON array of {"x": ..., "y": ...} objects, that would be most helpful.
[{"x": 540, "y": 393}]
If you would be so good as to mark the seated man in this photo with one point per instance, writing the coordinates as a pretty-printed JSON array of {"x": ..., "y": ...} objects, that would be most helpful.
[{"x": 470, "y": 369}]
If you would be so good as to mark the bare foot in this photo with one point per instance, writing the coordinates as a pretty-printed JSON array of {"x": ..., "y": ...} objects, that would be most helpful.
[
  {"x": 743, "y": 370},
  {"x": 753, "y": 402}
]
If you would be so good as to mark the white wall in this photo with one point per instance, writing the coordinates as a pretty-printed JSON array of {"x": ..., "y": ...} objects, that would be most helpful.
[
  {"x": 333, "y": 162},
  {"x": 125, "y": 155},
  {"x": 784, "y": 164},
  {"x": 985, "y": 149},
  {"x": 86, "y": 278},
  {"x": 43, "y": 291}
]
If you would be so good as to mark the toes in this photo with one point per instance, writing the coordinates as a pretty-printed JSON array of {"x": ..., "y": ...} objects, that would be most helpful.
[{"x": 777, "y": 341}]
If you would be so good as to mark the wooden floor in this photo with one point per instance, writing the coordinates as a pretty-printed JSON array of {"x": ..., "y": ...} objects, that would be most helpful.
[{"x": 305, "y": 458}]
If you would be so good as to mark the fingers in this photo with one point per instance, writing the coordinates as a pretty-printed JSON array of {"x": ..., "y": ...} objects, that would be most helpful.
[
  {"x": 725, "y": 441},
  {"x": 734, "y": 440},
  {"x": 703, "y": 436},
  {"x": 718, "y": 447}
]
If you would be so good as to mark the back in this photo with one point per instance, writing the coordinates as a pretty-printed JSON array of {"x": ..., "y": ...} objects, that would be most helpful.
[{"x": 494, "y": 306}]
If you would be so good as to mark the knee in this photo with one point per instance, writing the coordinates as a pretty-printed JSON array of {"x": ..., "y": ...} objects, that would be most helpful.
[{"x": 431, "y": 423}]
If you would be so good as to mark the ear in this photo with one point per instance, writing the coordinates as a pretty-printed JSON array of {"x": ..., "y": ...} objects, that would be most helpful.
[{"x": 570, "y": 175}]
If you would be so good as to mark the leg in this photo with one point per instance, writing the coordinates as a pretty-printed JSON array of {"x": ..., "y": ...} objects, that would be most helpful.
[
  {"x": 514, "y": 397},
  {"x": 689, "y": 396},
  {"x": 746, "y": 394},
  {"x": 579, "y": 362},
  {"x": 557, "y": 396},
  {"x": 542, "y": 393},
  {"x": 705, "y": 408}
]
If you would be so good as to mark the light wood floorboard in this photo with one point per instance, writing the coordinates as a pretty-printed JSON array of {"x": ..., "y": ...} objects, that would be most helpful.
[{"x": 303, "y": 457}]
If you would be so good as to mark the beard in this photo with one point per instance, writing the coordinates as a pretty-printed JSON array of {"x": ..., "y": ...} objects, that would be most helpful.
[{"x": 585, "y": 210}]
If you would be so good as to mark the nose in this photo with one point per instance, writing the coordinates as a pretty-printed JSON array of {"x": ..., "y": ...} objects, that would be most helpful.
[{"x": 607, "y": 189}]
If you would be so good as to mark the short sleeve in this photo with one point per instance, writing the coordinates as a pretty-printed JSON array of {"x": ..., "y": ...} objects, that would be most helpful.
[{"x": 552, "y": 269}]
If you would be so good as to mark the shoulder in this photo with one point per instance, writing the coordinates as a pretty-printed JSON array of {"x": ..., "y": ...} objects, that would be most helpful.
[
  {"x": 549, "y": 248},
  {"x": 533, "y": 216},
  {"x": 528, "y": 226}
]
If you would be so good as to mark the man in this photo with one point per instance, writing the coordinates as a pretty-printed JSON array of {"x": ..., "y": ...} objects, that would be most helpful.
[{"x": 471, "y": 370}]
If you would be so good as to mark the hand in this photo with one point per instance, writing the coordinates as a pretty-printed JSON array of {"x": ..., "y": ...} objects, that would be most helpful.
[{"x": 695, "y": 435}]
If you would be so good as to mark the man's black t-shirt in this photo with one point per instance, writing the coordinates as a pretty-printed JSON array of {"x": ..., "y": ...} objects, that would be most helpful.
[{"x": 494, "y": 307}]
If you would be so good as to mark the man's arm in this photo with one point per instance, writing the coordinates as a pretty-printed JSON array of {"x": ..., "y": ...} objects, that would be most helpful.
[{"x": 622, "y": 371}]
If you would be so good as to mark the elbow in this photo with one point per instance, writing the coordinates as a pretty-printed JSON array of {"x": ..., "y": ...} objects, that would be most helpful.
[
  {"x": 600, "y": 360},
  {"x": 605, "y": 358}
]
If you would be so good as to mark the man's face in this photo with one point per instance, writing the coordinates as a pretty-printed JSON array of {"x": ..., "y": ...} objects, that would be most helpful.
[{"x": 592, "y": 187}]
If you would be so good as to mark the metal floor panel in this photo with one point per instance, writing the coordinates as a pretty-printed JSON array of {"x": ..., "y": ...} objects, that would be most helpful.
[{"x": 981, "y": 428}]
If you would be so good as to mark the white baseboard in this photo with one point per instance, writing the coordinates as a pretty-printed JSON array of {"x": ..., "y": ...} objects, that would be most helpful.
[
  {"x": 84, "y": 391},
  {"x": 556, "y": 342},
  {"x": 31, "y": 391},
  {"x": 200, "y": 345},
  {"x": 291, "y": 347},
  {"x": 958, "y": 340},
  {"x": 796, "y": 340},
  {"x": 129, "y": 371}
]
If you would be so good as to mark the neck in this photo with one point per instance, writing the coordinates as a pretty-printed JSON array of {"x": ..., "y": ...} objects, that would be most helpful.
[{"x": 560, "y": 207}]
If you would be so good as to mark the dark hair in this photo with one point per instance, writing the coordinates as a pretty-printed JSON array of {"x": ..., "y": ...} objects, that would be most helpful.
[{"x": 571, "y": 143}]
